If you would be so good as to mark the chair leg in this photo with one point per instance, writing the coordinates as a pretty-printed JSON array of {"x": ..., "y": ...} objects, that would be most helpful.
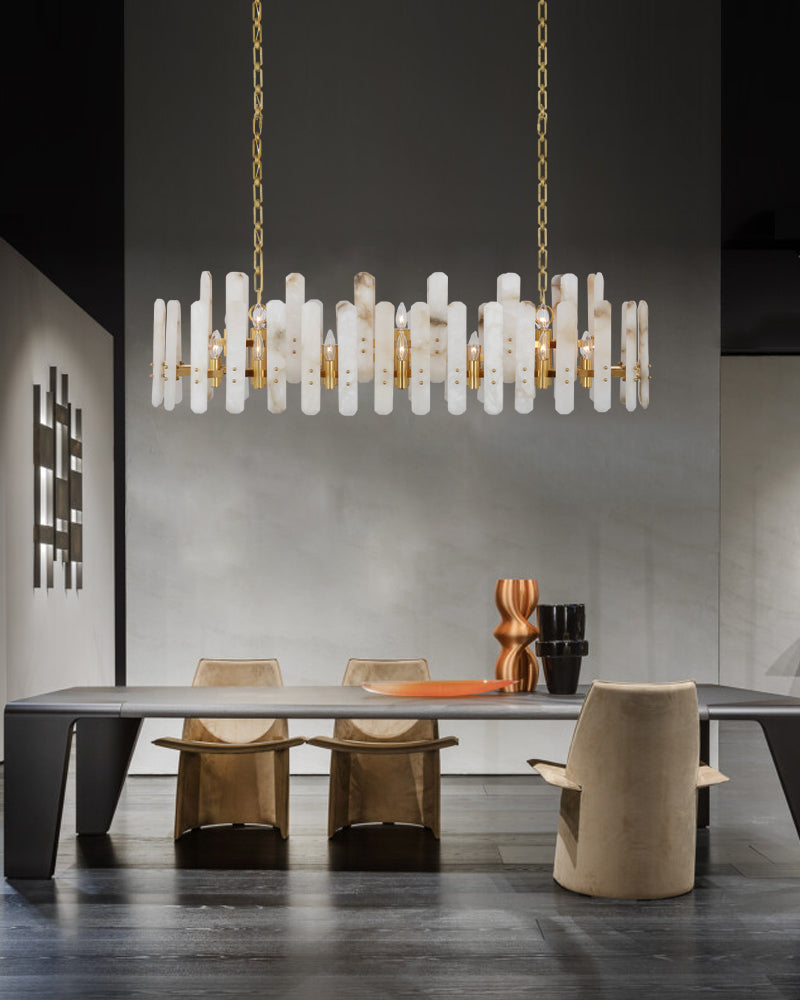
[
  {"x": 339, "y": 792},
  {"x": 187, "y": 794},
  {"x": 431, "y": 793},
  {"x": 281, "y": 788}
]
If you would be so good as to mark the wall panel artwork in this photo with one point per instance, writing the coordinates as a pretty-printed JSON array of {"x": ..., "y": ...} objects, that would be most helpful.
[{"x": 57, "y": 485}]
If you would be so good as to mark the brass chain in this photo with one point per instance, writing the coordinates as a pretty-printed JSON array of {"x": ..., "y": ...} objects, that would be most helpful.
[
  {"x": 541, "y": 130},
  {"x": 258, "y": 115}
]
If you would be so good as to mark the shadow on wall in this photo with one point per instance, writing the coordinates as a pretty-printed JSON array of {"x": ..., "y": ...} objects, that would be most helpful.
[{"x": 788, "y": 665}]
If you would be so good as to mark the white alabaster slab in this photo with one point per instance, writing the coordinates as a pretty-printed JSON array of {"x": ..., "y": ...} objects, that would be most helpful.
[
  {"x": 276, "y": 356},
  {"x": 437, "y": 309},
  {"x": 198, "y": 376},
  {"x": 206, "y": 296},
  {"x": 569, "y": 291},
  {"x": 555, "y": 299},
  {"x": 644, "y": 355},
  {"x": 347, "y": 338},
  {"x": 627, "y": 388},
  {"x": 205, "y": 287},
  {"x": 525, "y": 383},
  {"x": 555, "y": 292},
  {"x": 566, "y": 355},
  {"x": 456, "y": 357},
  {"x": 595, "y": 291},
  {"x": 295, "y": 297},
  {"x": 384, "y": 358},
  {"x": 179, "y": 358},
  {"x": 364, "y": 300},
  {"x": 602, "y": 356},
  {"x": 159, "y": 351},
  {"x": 508, "y": 286},
  {"x": 493, "y": 358},
  {"x": 172, "y": 355},
  {"x": 419, "y": 322},
  {"x": 236, "y": 323},
  {"x": 311, "y": 350}
]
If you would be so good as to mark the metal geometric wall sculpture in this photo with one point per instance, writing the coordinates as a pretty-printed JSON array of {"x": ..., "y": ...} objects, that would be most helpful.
[{"x": 57, "y": 485}]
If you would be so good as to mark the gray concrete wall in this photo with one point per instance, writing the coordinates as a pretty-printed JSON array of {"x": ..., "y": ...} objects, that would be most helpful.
[
  {"x": 52, "y": 639},
  {"x": 760, "y": 524},
  {"x": 401, "y": 140}
]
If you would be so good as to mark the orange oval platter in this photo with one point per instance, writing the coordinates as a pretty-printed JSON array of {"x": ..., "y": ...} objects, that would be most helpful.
[{"x": 438, "y": 689}]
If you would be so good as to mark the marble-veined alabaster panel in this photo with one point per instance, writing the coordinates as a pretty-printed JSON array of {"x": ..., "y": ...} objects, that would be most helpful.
[
  {"x": 384, "y": 357},
  {"x": 276, "y": 356},
  {"x": 437, "y": 309},
  {"x": 525, "y": 340},
  {"x": 295, "y": 297},
  {"x": 347, "y": 338},
  {"x": 364, "y": 300},
  {"x": 420, "y": 384}
]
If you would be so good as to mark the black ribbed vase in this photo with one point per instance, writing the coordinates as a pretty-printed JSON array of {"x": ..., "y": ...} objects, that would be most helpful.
[{"x": 561, "y": 645}]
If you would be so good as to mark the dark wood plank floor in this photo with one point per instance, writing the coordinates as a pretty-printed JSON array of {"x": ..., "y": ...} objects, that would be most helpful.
[{"x": 388, "y": 912}]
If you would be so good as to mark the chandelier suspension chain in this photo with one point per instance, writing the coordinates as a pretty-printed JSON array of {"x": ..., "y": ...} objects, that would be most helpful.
[
  {"x": 517, "y": 341},
  {"x": 541, "y": 130},
  {"x": 258, "y": 118}
]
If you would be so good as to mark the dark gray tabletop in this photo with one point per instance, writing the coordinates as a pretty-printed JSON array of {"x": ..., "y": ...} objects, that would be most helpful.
[{"x": 318, "y": 702}]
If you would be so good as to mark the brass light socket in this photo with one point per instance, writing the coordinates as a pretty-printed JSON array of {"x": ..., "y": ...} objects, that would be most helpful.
[
  {"x": 259, "y": 376},
  {"x": 585, "y": 373},
  {"x": 543, "y": 379},
  {"x": 214, "y": 372},
  {"x": 401, "y": 372},
  {"x": 474, "y": 374},
  {"x": 328, "y": 373}
]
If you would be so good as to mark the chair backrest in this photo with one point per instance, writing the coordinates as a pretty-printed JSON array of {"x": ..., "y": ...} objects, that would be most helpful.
[
  {"x": 638, "y": 742},
  {"x": 366, "y": 671},
  {"x": 236, "y": 673}
]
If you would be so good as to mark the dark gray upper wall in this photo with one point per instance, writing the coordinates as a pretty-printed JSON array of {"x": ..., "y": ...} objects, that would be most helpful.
[{"x": 401, "y": 138}]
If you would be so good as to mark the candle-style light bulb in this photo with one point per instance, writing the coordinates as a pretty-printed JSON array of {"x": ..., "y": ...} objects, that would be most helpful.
[
  {"x": 401, "y": 317},
  {"x": 259, "y": 316},
  {"x": 543, "y": 345},
  {"x": 401, "y": 347},
  {"x": 258, "y": 346},
  {"x": 543, "y": 317},
  {"x": 587, "y": 345},
  {"x": 215, "y": 345},
  {"x": 330, "y": 346},
  {"x": 474, "y": 347}
]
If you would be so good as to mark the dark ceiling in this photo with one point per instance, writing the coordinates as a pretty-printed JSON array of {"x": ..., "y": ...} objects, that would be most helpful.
[{"x": 61, "y": 180}]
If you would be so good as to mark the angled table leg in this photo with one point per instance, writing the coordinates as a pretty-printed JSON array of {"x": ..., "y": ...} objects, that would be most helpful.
[
  {"x": 703, "y": 797},
  {"x": 36, "y": 759},
  {"x": 104, "y": 751},
  {"x": 783, "y": 740}
]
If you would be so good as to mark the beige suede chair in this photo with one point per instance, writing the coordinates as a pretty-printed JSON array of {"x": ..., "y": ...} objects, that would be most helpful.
[
  {"x": 628, "y": 821},
  {"x": 384, "y": 770},
  {"x": 233, "y": 770}
]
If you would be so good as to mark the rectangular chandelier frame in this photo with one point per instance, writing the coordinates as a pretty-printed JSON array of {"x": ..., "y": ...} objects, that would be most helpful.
[{"x": 515, "y": 344}]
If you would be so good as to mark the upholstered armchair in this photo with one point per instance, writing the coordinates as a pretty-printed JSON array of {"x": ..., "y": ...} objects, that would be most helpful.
[{"x": 628, "y": 820}]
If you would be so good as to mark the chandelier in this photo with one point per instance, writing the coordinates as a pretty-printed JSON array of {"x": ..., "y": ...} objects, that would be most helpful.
[{"x": 532, "y": 347}]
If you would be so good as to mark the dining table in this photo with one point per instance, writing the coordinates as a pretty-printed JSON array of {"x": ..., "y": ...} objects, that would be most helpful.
[{"x": 106, "y": 722}]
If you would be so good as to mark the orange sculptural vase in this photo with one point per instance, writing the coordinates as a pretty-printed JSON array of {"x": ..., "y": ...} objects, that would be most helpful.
[{"x": 516, "y": 601}]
